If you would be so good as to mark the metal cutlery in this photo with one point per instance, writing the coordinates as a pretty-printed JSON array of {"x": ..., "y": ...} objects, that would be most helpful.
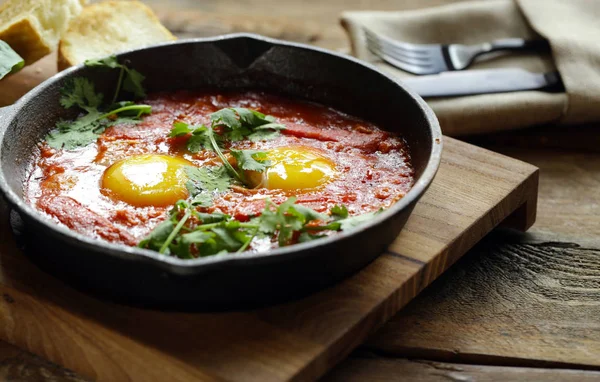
[
  {"x": 436, "y": 58},
  {"x": 472, "y": 82}
]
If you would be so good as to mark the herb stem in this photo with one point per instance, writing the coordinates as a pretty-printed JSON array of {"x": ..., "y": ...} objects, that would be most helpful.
[
  {"x": 247, "y": 243},
  {"x": 119, "y": 82},
  {"x": 205, "y": 227},
  {"x": 141, "y": 108},
  {"x": 319, "y": 228},
  {"x": 175, "y": 231},
  {"x": 226, "y": 163}
]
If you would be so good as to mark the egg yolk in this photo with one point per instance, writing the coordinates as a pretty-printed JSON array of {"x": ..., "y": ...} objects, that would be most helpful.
[
  {"x": 147, "y": 180},
  {"x": 294, "y": 168}
]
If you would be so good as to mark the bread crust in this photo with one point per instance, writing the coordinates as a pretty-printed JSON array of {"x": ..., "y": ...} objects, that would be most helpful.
[
  {"x": 94, "y": 15},
  {"x": 26, "y": 40}
]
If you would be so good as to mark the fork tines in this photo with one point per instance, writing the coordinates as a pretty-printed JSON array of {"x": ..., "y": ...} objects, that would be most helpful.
[{"x": 413, "y": 58}]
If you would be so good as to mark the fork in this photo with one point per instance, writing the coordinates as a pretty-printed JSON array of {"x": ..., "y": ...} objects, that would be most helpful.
[{"x": 436, "y": 58}]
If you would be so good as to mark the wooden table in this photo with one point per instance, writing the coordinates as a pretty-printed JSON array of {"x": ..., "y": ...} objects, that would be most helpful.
[{"x": 517, "y": 306}]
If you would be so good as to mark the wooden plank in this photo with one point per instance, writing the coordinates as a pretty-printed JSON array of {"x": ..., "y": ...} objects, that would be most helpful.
[
  {"x": 507, "y": 304},
  {"x": 474, "y": 191},
  {"x": 19, "y": 365},
  {"x": 569, "y": 192},
  {"x": 381, "y": 369}
]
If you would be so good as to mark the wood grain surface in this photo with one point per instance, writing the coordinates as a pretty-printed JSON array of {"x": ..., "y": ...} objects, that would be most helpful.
[
  {"x": 377, "y": 369},
  {"x": 540, "y": 314},
  {"x": 298, "y": 340}
]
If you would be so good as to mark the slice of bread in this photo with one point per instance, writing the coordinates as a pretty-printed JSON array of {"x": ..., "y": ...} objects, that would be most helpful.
[
  {"x": 33, "y": 27},
  {"x": 110, "y": 27}
]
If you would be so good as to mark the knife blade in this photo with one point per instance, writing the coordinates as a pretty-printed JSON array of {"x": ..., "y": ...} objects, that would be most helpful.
[{"x": 471, "y": 82}]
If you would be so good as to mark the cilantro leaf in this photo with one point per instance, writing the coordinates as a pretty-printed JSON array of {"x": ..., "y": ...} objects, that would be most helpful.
[
  {"x": 215, "y": 217},
  {"x": 208, "y": 179},
  {"x": 205, "y": 182},
  {"x": 108, "y": 62},
  {"x": 240, "y": 123},
  {"x": 307, "y": 236},
  {"x": 86, "y": 129},
  {"x": 225, "y": 117},
  {"x": 80, "y": 92},
  {"x": 203, "y": 199},
  {"x": 339, "y": 212},
  {"x": 182, "y": 248},
  {"x": 179, "y": 129},
  {"x": 157, "y": 236},
  {"x": 355, "y": 221},
  {"x": 227, "y": 239},
  {"x": 133, "y": 79},
  {"x": 263, "y": 135},
  {"x": 287, "y": 219},
  {"x": 234, "y": 124},
  {"x": 200, "y": 139},
  {"x": 10, "y": 61},
  {"x": 133, "y": 82},
  {"x": 252, "y": 160},
  {"x": 218, "y": 233},
  {"x": 308, "y": 214},
  {"x": 78, "y": 133}
]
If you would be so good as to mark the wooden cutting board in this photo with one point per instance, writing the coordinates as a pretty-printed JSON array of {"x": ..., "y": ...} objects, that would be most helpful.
[{"x": 474, "y": 191}]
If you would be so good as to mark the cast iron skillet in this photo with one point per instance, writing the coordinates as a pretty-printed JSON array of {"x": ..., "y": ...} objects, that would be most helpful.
[{"x": 145, "y": 278}]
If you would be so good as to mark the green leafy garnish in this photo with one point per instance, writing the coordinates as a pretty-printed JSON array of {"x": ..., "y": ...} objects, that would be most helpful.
[
  {"x": 10, "y": 61},
  {"x": 211, "y": 235},
  {"x": 130, "y": 79},
  {"x": 80, "y": 92},
  {"x": 339, "y": 212},
  {"x": 203, "y": 183},
  {"x": 252, "y": 160},
  {"x": 239, "y": 123},
  {"x": 205, "y": 138},
  {"x": 188, "y": 233}
]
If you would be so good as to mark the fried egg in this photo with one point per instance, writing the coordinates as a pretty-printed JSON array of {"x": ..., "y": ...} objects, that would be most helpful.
[
  {"x": 294, "y": 168},
  {"x": 147, "y": 180}
]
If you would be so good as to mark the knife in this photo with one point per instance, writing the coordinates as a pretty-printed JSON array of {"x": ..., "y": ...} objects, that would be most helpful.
[{"x": 470, "y": 82}]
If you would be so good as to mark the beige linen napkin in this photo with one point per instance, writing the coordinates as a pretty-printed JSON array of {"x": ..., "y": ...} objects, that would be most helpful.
[{"x": 571, "y": 26}]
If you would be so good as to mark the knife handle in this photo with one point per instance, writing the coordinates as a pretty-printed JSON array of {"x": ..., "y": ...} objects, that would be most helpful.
[
  {"x": 519, "y": 44},
  {"x": 462, "y": 56},
  {"x": 554, "y": 82}
]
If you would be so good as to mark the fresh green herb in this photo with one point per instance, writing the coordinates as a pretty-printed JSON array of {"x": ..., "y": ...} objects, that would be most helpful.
[
  {"x": 203, "y": 183},
  {"x": 10, "y": 61},
  {"x": 129, "y": 80},
  {"x": 204, "y": 137},
  {"x": 339, "y": 212},
  {"x": 252, "y": 160},
  {"x": 287, "y": 219},
  {"x": 188, "y": 233},
  {"x": 211, "y": 234},
  {"x": 80, "y": 92},
  {"x": 239, "y": 123},
  {"x": 354, "y": 221}
]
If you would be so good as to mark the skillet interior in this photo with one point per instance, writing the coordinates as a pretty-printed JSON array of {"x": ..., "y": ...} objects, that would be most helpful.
[{"x": 234, "y": 61}]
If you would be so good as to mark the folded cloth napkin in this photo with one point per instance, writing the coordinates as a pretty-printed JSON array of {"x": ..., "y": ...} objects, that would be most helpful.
[{"x": 572, "y": 27}]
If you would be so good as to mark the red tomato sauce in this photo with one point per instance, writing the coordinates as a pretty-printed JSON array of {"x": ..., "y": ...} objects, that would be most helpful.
[{"x": 373, "y": 168}]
